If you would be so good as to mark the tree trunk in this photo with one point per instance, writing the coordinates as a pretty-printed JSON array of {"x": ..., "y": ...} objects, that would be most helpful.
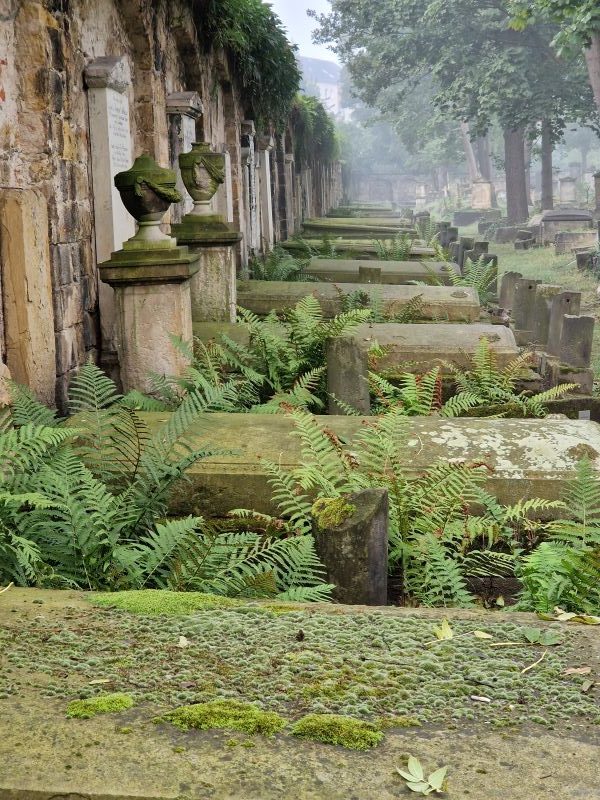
[
  {"x": 547, "y": 148},
  {"x": 516, "y": 188},
  {"x": 469, "y": 153},
  {"x": 592, "y": 58},
  {"x": 483, "y": 157},
  {"x": 528, "y": 170}
]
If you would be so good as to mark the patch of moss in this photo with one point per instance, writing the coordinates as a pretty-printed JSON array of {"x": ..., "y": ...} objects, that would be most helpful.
[
  {"x": 153, "y": 602},
  {"x": 104, "y": 704},
  {"x": 332, "y": 511},
  {"x": 229, "y": 715},
  {"x": 336, "y": 729}
]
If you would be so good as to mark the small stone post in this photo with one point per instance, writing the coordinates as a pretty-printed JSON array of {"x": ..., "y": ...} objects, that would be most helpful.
[
  {"x": 507, "y": 289},
  {"x": 267, "y": 233},
  {"x": 541, "y": 313},
  {"x": 523, "y": 308},
  {"x": 563, "y": 303},
  {"x": 353, "y": 546},
  {"x": 465, "y": 243},
  {"x": 208, "y": 236},
  {"x": 151, "y": 278},
  {"x": 347, "y": 375}
]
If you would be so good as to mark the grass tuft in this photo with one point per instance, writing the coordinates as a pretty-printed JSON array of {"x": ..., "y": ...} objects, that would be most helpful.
[
  {"x": 230, "y": 715},
  {"x": 104, "y": 704},
  {"x": 153, "y": 602}
]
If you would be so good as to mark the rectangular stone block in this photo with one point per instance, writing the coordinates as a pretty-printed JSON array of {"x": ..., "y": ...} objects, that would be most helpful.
[
  {"x": 524, "y": 303},
  {"x": 444, "y": 303},
  {"x": 576, "y": 339},
  {"x": 544, "y": 294},
  {"x": 27, "y": 291}
]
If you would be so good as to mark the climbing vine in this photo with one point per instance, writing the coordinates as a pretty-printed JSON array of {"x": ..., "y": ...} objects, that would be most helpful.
[{"x": 254, "y": 37}]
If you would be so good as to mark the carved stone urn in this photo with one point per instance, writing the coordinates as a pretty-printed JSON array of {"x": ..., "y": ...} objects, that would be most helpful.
[
  {"x": 147, "y": 191},
  {"x": 202, "y": 172}
]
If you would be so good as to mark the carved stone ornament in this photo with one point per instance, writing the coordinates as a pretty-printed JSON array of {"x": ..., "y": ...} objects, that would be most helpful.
[{"x": 202, "y": 172}]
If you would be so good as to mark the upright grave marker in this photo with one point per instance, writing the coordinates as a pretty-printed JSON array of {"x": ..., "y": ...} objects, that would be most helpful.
[{"x": 107, "y": 80}]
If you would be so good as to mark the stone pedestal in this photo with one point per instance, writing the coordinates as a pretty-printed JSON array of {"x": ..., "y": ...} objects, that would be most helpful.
[
  {"x": 213, "y": 242},
  {"x": 152, "y": 298}
]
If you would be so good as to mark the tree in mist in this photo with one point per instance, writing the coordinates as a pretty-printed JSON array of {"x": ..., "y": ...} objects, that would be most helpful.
[{"x": 477, "y": 69}]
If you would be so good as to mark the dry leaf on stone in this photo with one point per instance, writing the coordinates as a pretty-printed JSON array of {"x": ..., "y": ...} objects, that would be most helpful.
[
  {"x": 586, "y": 686},
  {"x": 577, "y": 671},
  {"x": 482, "y": 635},
  {"x": 98, "y": 681},
  {"x": 183, "y": 642},
  {"x": 443, "y": 631},
  {"x": 480, "y": 698}
]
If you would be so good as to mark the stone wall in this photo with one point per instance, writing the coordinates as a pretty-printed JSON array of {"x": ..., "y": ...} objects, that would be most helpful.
[{"x": 49, "y": 134}]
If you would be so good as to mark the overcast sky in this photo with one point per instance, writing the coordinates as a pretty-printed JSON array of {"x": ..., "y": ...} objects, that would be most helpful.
[{"x": 300, "y": 27}]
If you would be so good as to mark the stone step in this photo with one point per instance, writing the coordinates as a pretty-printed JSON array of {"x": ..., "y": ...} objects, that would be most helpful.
[
  {"x": 454, "y": 304},
  {"x": 374, "y": 271},
  {"x": 525, "y": 457}
]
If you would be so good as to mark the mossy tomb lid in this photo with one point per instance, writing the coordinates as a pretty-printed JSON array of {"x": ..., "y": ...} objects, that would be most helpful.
[{"x": 145, "y": 168}]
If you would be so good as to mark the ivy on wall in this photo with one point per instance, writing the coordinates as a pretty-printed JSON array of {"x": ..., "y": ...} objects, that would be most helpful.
[
  {"x": 315, "y": 136},
  {"x": 263, "y": 58}
]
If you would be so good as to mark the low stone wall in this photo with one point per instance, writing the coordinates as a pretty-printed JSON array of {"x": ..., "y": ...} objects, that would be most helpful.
[{"x": 350, "y": 248}]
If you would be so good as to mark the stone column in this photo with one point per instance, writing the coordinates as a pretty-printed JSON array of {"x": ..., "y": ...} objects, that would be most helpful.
[
  {"x": 576, "y": 341},
  {"x": 224, "y": 196},
  {"x": 347, "y": 375},
  {"x": 507, "y": 289},
  {"x": 249, "y": 164},
  {"x": 289, "y": 193},
  {"x": 107, "y": 80},
  {"x": 183, "y": 110},
  {"x": 523, "y": 309},
  {"x": 562, "y": 304},
  {"x": 265, "y": 148},
  {"x": 597, "y": 191}
]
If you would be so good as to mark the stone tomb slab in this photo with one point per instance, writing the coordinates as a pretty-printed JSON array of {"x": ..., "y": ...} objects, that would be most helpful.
[
  {"x": 417, "y": 347},
  {"x": 352, "y": 229},
  {"x": 350, "y": 248},
  {"x": 394, "y": 272},
  {"x": 452, "y": 303},
  {"x": 526, "y": 457},
  {"x": 124, "y": 756}
]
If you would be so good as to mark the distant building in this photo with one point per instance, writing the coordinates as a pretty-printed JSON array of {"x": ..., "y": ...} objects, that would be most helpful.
[{"x": 324, "y": 79}]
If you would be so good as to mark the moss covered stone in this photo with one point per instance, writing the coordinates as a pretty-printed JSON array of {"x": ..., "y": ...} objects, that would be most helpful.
[
  {"x": 336, "y": 729},
  {"x": 332, "y": 511},
  {"x": 157, "y": 601},
  {"x": 229, "y": 715},
  {"x": 104, "y": 704}
]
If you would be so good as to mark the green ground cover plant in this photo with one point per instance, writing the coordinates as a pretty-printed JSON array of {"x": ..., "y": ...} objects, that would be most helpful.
[{"x": 83, "y": 503}]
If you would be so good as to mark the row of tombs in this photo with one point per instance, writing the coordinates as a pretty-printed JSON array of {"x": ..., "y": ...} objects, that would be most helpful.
[{"x": 185, "y": 284}]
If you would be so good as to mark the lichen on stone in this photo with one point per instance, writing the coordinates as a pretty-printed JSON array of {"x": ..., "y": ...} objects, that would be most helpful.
[
  {"x": 228, "y": 715},
  {"x": 330, "y": 512},
  {"x": 355, "y": 734},
  {"x": 103, "y": 704}
]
